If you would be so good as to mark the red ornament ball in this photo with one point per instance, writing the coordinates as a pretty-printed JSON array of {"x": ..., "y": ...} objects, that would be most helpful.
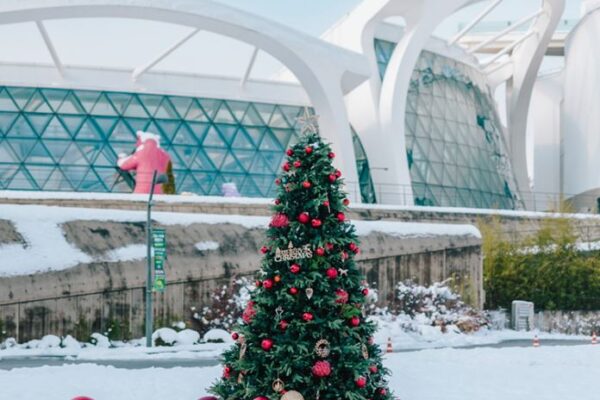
[
  {"x": 85, "y": 398},
  {"x": 329, "y": 246},
  {"x": 283, "y": 324},
  {"x": 286, "y": 166},
  {"x": 320, "y": 251},
  {"x": 342, "y": 296},
  {"x": 373, "y": 369},
  {"x": 382, "y": 392},
  {"x": 356, "y": 251},
  {"x": 331, "y": 155},
  {"x": 321, "y": 369},
  {"x": 316, "y": 223},
  {"x": 290, "y": 152},
  {"x": 306, "y": 185},
  {"x": 277, "y": 278},
  {"x": 258, "y": 283},
  {"x": 338, "y": 173},
  {"x": 297, "y": 164},
  {"x": 307, "y": 317},
  {"x": 266, "y": 344},
  {"x": 294, "y": 268},
  {"x": 354, "y": 321},
  {"x": 235, "y": 336},
  {"x": 308, "y": 149},
  {"x": 344, "y": 255},
  {"x": 267, "y": 284},
  {"x": 326, "y": 203},
  {"x": 249, "y": 312},
  {"x": 226, "y": 372},
  {"x": 304, "y": 218},
  {"x": 346, "y": 202},
  {"x": 332, "y": 273},
  {"x": 278, "y": 181},
  {"x": 365, "y": 292},
  {"x": 261, "y": 398},
  {"x": 332, "y": 178},
  {"x": 278, "y": 201},
  {"x": 361, "y": 382},
  {"x": 280, "y": 220},
  {"x": 293, "y": 291},
  {"x": 264, "y": 249},
  {"x": 341, "y": 216},
  {"x": 352, "y": 246}
]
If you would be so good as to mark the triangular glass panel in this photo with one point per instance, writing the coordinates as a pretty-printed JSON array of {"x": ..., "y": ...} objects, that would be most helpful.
[
  {"x": 22, "y": 181},
  {"x": 206, "y": 181},
  {"x": 166, "y": 110},
  {"x": 57, "y": 148},
  {"x": 256, "y": 134},
  {"x": 283, "y": 136},
  {"x": 249, "y": 189},
  {"x": 210, "y": 107},
  {"x": 217, "y": 187},
  {"x": 198, "y": 128},
  {"x": 187, "y": 154},
  {"x": 6, "y": 102},
  {"x": 72, "y": 123},
  {"x": 122, "y": 132},
  {"x": 120, "y": 101},
  {"x": 7, "y": 154},
  {"x": 53, "y": 129},
  {"x": 230, "y": 164},
  {"x": 6, "y": 121},
  {"x": 168, "y": 127},
  {"x": 292, "y": 113},
  {"x": 74, "y": 174},
  {"x": 105, "y": 124},
  {"x": 135, "y": 109},
  {"x": 265, "y": 111},
  {"x": 177, "y": 162},
  {"x": 111, "y": 179},
  {"x": 278, "y": 120},
  {"x": 252, "y": 117},
  {"x": 71, "y": 105},
  {"x": 261, "y": 166},
  {"x": 92, "y": 183},
  {"x": 187, "y": 183},
  {"x": 40, "y": 174},
  {"x": 54, "y": 98},
  {"x": 184, "y": 136},
  {"x": 195, "y": 113},
  {"x": 273, "y": 158},
  {"x": 138, "y": 124},
  {"x": 91, "y": 150},
  {"x": 37, "y": 103},
  {"x": 57, "y": 181},
  {"x": 227, "y": 132},
  {"x": 39, "y": 155},
  {"x": 238, "y": 109},
  {"x": 223, "y": 115},
  {"x": 22, "y": 147},
  {"x": 202, "y": 162},
  {"x": 106, "y": 158},
  {"x": 150, "y": 102},
  {"x": 269, "y": 142},
  {"x": 264, "y": 183},
  {"x": 245, "y": 157},
  {"x": 216, "y": 156},
  {"x": 242, "y": 141},
  {"x": 21, "y": 95},
  {"x": 39, "y": 122},
  {"x": 181, "y": 104},
  {"x": 213, "y": 138},
  {"x": 86, "y": 131},
  {"x": 103, "y": 106},
  {"x": 6, "y": 173},
  {"x": 87, "y": 99},
  {"x": 74, "y": 156}
]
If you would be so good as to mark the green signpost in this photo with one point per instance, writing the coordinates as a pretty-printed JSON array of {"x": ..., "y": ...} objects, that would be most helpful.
[{"x": 159, "y": 250}]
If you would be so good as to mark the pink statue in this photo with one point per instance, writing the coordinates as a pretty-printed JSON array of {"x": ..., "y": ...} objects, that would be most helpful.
[{"x": 148, "y": 157}]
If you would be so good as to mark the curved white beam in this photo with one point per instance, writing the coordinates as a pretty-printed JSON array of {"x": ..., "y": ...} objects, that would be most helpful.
[
  {"x": 526, "y": 60},
  {"x": 325, "y": 71}
]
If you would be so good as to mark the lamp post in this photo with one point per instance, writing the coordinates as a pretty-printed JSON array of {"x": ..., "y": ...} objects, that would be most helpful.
[{"x": 160, "y": 179}]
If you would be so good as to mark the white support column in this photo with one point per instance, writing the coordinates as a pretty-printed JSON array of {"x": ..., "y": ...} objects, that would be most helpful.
[
  {"x": 249, "y": 67},
  {"x": 141, "y": 70},
  {"x": 51, "y": 49}
]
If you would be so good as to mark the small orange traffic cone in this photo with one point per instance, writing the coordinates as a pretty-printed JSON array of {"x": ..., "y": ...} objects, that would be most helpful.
[
  {"x": 536, "y": 341},
  {"x": 390, "y": 349},
  {"x": 594, "y": 338}
]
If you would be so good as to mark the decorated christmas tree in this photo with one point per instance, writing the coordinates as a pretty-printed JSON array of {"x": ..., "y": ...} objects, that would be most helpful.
[{"x": 305, "y": 335}]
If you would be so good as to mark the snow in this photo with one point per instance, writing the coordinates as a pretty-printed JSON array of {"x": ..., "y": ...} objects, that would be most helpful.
[
  {"x": 48, "y": 341},
  {"x": 187, "y": 337},
  {"x": 208, "y": 245},
  {"x": 217, "y": 335},
  {"x": 167, "y": 335},
  {"x": 100, "y": 340},
  {"x": 40, "y": 228},
  {"x": 548, "y": 373}
]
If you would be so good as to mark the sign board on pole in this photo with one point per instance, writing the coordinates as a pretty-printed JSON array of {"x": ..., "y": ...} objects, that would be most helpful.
[{"x": 159, "y": 251}]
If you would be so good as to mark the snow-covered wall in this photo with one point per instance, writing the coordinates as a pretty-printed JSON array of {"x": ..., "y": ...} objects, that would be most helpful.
[{"x": 63, "y": 268}]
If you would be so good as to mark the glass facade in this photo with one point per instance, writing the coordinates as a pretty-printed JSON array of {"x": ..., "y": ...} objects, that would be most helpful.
[
  {"x": 454, "y": 139},
  {"x": 68, "y": 140}
]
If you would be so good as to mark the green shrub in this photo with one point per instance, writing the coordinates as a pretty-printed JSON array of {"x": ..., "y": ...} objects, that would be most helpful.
[{"x": 546, "y": 268}]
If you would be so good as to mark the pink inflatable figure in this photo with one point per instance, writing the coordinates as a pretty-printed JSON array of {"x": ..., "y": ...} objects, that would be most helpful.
[{"x": 147, "y": 158}]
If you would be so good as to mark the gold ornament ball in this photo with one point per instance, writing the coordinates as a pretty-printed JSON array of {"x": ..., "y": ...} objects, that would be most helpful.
[{"x": 292, "y": 395}]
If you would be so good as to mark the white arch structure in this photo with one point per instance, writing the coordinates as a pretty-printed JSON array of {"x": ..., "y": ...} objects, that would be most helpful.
[
  {"x": 326, "y": 72},
  {"x": 383, "y": 121}
]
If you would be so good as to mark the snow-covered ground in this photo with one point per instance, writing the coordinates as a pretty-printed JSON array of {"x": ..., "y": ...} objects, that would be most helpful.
[{"x": 544, "y": 373}]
